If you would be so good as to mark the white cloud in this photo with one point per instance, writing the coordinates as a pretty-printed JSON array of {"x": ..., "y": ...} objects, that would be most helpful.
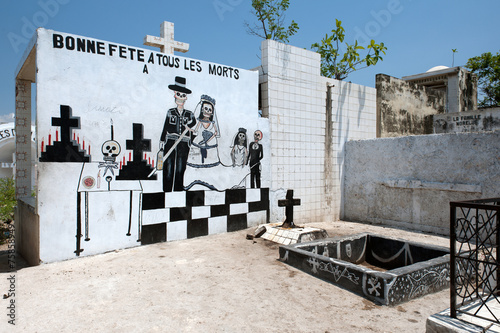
[{"x": 7, "y": 118}]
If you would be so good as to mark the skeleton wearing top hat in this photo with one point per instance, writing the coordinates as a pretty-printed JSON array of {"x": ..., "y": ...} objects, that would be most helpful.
[{"x": 177, "y": 133}]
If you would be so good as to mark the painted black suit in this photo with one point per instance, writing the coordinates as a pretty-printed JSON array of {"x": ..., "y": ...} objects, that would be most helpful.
[
  {"x": 255, "y": 155},
  {"x": 175, "y": 164}
]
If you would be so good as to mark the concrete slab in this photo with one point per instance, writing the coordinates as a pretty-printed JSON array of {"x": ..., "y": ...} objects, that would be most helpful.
[
  {"x": 286, "y": 236},
  {"x": 442, "y": 322}
]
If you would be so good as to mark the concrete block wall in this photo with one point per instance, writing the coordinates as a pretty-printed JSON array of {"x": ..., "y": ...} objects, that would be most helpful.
[
  {"x": 354, "y": 112},
  {"x": 307, "y": 138},
  {"x": 409, "y": 181}
]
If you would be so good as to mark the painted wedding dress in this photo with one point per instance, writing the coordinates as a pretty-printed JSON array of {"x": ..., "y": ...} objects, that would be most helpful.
[{"x": 204, "y": 148}]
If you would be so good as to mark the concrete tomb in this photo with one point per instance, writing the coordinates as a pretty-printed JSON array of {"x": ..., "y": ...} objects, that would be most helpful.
[
  {"x": 385, "y": 270},
  {"x": 275, "y": 232},
  {"x": 287, "y": 232}
]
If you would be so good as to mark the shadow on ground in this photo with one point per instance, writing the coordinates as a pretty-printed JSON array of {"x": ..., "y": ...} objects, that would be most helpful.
[{"x": 11, "y": 263}]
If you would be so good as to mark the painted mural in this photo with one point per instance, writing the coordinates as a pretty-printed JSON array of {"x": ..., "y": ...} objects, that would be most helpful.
[{"x": 155, "y": 145}]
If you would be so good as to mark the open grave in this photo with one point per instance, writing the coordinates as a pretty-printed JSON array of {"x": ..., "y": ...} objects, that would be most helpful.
[{"x": 385, "y": 270}]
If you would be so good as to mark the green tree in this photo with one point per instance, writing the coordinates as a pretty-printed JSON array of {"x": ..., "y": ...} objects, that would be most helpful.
[
  {"x": 7, "y": 199},
  {"x": 271, "y": 17},
  {"x": 487, "y": 68},
  {"x": 337, "y": 63}
]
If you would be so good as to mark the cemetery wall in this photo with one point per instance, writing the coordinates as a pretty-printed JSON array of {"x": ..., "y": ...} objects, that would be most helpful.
[
  {"x": 106, "y": 113},
  {"x": 409, "y": 181},
  {"x": 405, "y": 108},
  {"x": 102, "y": 109},
  {"x": 311, "y": 117}
]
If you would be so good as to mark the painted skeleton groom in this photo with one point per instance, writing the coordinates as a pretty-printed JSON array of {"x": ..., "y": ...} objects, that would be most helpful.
[{"x": 176, "y": 135}]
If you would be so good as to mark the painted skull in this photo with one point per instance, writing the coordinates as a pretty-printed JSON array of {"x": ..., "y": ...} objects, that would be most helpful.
[
  {"x": 208, "y": 110},
  {"x": 241, "y": 138},
  {"x": 111, "y": 148},
  {"x": 180, "y": 97}
]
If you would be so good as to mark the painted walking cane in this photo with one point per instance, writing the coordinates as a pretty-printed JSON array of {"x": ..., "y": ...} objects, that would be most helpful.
[{"x": 170, "y": 150}]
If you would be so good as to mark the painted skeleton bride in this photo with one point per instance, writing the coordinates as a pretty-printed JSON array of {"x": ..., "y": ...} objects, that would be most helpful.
[{"x": 204, "y": 147}]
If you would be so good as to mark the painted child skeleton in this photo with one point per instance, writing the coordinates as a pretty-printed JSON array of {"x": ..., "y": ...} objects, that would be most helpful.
[{"x": 239, "y": 153}]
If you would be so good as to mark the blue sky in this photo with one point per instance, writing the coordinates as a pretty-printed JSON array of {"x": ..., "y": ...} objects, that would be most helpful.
[{"x": 419, "y": 34}]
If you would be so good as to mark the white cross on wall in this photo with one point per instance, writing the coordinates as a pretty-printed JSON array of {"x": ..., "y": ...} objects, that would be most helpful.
[{"x": 166, "y": 41}]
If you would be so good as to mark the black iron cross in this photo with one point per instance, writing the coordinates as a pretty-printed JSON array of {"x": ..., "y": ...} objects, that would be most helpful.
[
  {"x": 138, "y": 144},
  {"x": 66, "y": 122},
  {"x": 289, "y": 202}
]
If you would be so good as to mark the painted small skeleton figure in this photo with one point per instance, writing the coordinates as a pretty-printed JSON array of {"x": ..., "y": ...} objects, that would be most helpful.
[
  {"x": 255, "y": 155},
  {"x": 239, "y": 153},
  {"x": 110, "y": 149}
]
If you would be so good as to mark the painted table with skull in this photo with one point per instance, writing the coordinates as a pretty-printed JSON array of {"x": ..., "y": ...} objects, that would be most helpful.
[
  {"x": 110, "y": 150},
  {"x": 101, "y": 199}
]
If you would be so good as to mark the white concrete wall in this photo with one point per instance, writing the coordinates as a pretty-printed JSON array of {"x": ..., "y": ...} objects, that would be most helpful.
[
  {"x": 294, "y": 97},
  {"x": 409, "y": 181},
  {"x": 115, "y": 91},
  {"x": 354, "y": 112}
]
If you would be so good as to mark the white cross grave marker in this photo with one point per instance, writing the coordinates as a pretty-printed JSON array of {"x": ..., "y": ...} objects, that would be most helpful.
[{"x": 166, "y": 41}]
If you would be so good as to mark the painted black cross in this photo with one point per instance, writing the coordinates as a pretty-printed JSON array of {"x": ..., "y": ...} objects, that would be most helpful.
[
  {"x": 138, "y": 144},
  {"x": 289, "y": 202},
  {"x": 67, "y": 123}
]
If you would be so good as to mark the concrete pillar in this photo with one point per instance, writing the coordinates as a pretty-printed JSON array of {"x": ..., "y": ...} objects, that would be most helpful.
[{"x": 23, "y": 139}]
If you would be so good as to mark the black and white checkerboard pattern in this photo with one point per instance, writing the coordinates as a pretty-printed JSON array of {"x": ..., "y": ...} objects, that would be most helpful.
[{"x": 181, "y": 215}]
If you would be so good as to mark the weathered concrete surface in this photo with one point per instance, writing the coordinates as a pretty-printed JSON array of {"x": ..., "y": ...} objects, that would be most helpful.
[
  {"x": 409, "y": 181},
  {"x": 467, "y": 91},
  {"x": 442, "y": 322},
  {"x": 471, "y": 121},
  {"x": 27, "y": 233},
  {"x": 459, "y": 85},
  {"x": 405, "y": 108}
]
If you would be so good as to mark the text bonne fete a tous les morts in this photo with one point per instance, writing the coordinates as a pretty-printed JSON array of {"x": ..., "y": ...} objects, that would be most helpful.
[{"x": 91, "y": 46}]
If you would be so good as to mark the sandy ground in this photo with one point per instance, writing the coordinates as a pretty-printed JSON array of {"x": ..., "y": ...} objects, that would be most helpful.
[{"x": 219, "y": 283}]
